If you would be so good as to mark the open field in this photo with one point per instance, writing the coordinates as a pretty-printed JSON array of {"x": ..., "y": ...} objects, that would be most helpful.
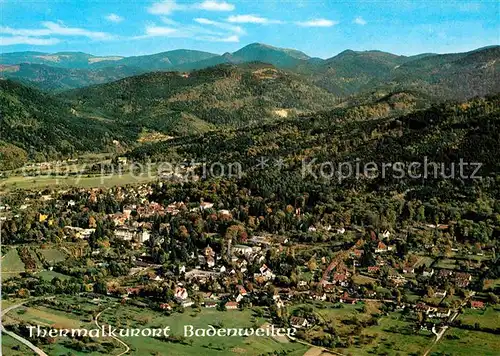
[
  {"x": 131, "y": 316},
  {"x": 459, "y": 342},
  {"x": 392, "y": 336},
  {"x": 11, "y": 264},
  {"x": 487, "y": 318},
  {"x": 52, "y": 255},
  {"x": 12, "y": 347},
  {"x": 49, "y": 275},
  {"x": 424, "y": 261},
  {"x": 135, "y": 317},
  {"x": 19, "y": 182},
  {"x": 40, "y": 315},
  {"x": 447, "y": 263}
]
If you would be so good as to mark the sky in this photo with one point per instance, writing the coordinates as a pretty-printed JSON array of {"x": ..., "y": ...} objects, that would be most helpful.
[{"x": 320, "y": 28}]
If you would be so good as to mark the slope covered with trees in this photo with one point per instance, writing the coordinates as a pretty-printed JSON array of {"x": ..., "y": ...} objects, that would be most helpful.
[
  {"x": 442, "y": 134},
  {"x": 225, "y": 95},
  {"x": 35, "y": 125}
]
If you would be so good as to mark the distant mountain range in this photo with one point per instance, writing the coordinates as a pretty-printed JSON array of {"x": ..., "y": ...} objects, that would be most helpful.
[
  {"x": 450, "y": 76},
  {"x": 114, "y": 100}
]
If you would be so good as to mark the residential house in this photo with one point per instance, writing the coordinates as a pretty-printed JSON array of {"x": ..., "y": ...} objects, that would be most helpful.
[
  {"x": 165, "y": 306},
  {"x": 428, "y": 272},
  {"x": 462, "y": 279},
  {"x": 181, "y": 293},
  {"x": 241, "y": 250},
  {"x": 231, "y": 305},
  {"x": 206, "y": 205},
  {"x": 476, "y": 304},
  {"x": 298, "y": 322},
  {"x": 439, "y": 294},
  {"x": 381, "y": 247}
]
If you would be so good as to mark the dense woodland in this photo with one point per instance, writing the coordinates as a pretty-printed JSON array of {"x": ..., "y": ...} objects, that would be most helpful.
[{"x": 237, "y": 92}]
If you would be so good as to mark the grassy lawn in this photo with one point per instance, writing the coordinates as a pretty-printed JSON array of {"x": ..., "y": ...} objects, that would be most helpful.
[
  {"x": 46, "y": 316},
  {"x": 487, "y": 318},
  {"x": 12, "y": 347},
  {"x": 19, "y": 182},
  {"x": 123, "y": 316},
  {"x": 41, "y": 315},
  {"x": 458, "y": 342},
  {"x": 49, "y": 275},
  {"x": 53, "y": 255},
  {"x": 363, "y": 280},
  {"x": 424, "y": 261},
  {"x": 447, "y": 263},
  {"x": 393, "y": 336},
  {"x": 11, "y": 264}
]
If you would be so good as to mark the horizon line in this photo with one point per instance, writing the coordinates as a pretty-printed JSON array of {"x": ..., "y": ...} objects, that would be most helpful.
[{"x": 253, "y": 43}]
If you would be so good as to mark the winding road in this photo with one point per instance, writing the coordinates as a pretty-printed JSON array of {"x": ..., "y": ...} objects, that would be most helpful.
[
  {"x": 22, "y": 340},
  {"x": 127, "y": 348}
]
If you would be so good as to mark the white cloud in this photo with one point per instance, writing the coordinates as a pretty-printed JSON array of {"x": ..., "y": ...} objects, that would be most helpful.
[
  {"x": 221, "y": 25},
  {"x": 166, "y": 7},
  {"x": 152, "y": 31},
  {"x": 232, "y": 38},
  {"x": 194, "y": 32},
  {"x": 53, "y": 28},
  {"x": 114, "y": 18},
  {"x": 317, "y": 23},
  {"x": 15, "y": 40},
  {"x": 168, "y": 21},
  {"x": 251, "y": 19},
  {"x": 211, "y": 5},
  {"x": 24, "y": 32},
  {"x": 58, "y": 29},
  {"x": 359, "y": 21}
]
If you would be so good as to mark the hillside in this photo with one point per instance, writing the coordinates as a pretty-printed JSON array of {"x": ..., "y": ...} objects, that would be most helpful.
[
  {"x": 225, "y": 95},
  {"x": 457, "y": 76},
  {"x": 56, "y": 79},
  {"x": 444, "y": 134},
  {"x": 162, "y": 61},
  {"x": 73, "y": 60},
  {"x": 37, "y": 126},
  {"x": 452, "y": 76}
]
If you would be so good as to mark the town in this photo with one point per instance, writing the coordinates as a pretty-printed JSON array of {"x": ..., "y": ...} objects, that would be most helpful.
[{"x": 342, "y": 285}]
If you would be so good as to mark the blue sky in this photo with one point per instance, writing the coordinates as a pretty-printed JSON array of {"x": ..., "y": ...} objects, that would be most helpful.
[{"x": 320, "y": 28}]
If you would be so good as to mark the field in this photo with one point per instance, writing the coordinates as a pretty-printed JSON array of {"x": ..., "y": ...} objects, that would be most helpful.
[
  {"x": 12, "y": 264},
  {"x": 393, "y": 336},
  {"x": 134, "y": 317},
  {"x": 49, "y": 275},
  {"x": 487, "y": 318},
  {"x": 53, "y": 255},
  {"x": 130, "y": 316},
  {"x": 12, "y": 347},
  {"x": 447, "y": 263},
  {"x": 459, "y": 342},
  {"x": 19, "y": 182}
]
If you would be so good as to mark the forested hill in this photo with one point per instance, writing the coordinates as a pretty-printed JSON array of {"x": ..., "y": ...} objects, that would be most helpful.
[
  {"x": 49, "y": 78},
  {"x": 225, "y": 95},
  {"x": 444, "y": 133},
  {"x": 458, "y": 76},
  {"x": 35, "y": 125}
]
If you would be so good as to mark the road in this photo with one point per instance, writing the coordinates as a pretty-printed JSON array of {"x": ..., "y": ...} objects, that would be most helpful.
[
  {"x": 22, "y": 340},
  {"x": 441, "y": 332},
  {"x": 127, "y": 348}
]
